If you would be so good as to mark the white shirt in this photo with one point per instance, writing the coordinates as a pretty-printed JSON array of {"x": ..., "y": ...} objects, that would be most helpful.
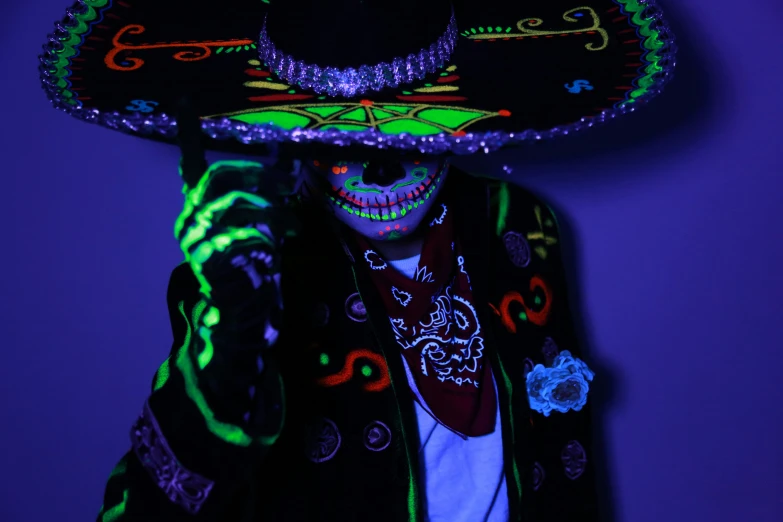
[{"x": 463, "y": 479}]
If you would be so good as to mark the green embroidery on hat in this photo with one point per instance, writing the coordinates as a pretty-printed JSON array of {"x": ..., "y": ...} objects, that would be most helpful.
[
  {"x": 325, "y": 111},
  {"x": 285, "y": 120},
  {"x": 397, "y": 108},
  {"x": 414, "y": 127},
  {"x": 415, "y": 119},
  {"x": 359, "y": 114},
  {"x": 451, "y": 118},
  {"x": 382, "y": 115},
  {"x": 651, "y": 43},
  {"x": 69, "y": 44}
]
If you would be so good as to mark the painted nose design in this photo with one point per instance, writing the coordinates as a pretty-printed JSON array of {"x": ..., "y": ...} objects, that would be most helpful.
[{"x": 382, "y": 174}]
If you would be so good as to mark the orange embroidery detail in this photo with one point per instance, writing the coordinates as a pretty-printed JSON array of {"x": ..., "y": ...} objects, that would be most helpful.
[
  {"x": 199, "y": 50},
  {"x": 505, "y": 316}
]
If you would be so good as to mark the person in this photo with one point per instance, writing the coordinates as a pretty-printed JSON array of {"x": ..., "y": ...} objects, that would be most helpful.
[
  {"x": 354, "y": 347},
  {"x": 362, "y": 330}
]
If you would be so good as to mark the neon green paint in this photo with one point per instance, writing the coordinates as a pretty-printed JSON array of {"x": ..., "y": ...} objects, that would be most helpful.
[
  {"x": 413, "y": 127},
  {"x": 324, "y": 359},
  {"x": 382, "y": 115},
  {"x": 356, "y": 115},
  {"x": 209, "y": 349},
  {"x": 162, "y": 375},
  {"x": 325, "y": 111},
  {"x": 114, "y": 514},
  {"x": 194, "y": 198},
  {"x": 228, "y": 432},
  {"x": 397, "y": 108},
  {"x": 218, "y": 243},
  {"x": 119, "y": 469},
  {"x": 652, "y": 43},
  {"x": 418, "y": 175},
  {"x": 282, "y": 119},
  {"x": 503, "y": 205},
  {"x": 366, "y": 371},
  {"x": 212, "y": 317},
  {"x": 352, "y": 185},
  {"x": 451, "y": 118}
]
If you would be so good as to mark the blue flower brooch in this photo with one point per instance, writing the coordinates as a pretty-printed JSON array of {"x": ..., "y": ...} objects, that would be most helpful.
[{"x": 562, "y": 387}]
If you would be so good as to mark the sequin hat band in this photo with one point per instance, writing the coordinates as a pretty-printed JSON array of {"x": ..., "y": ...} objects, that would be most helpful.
[{"x": 348, "y": 82}]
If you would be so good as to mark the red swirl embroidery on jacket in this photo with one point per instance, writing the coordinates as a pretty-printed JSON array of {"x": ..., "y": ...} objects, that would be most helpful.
[
  {"x": 537, "y": 317},
  {"x": 346, "y": 374}
]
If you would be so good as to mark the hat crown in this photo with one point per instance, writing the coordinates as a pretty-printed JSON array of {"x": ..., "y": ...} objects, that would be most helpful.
[{"x": 351, "y": 33}]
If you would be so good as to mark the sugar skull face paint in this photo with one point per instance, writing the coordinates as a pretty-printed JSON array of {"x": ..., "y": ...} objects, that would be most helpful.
[{"x": 381, "y": 201}]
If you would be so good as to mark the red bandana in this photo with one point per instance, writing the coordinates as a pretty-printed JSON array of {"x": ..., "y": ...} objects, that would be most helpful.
[{"x": 436, "y": 325}]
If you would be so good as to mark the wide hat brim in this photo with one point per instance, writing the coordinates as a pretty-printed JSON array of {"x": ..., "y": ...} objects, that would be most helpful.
[{"x": 518, "y": 73}]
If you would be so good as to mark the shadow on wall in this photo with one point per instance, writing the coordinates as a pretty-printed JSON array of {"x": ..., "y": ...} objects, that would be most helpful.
[{"x": 669, "y": 125}]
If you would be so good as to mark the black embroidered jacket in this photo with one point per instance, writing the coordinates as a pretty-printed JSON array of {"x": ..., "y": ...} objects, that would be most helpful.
[{"x": 347, "y": 449}]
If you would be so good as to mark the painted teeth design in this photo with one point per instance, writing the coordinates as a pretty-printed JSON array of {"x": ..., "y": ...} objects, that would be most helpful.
[{"x": 386, "y": 213}]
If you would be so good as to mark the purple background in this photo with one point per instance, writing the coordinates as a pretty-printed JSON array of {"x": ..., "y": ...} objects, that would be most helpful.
[{"x": 671, "y": 219}]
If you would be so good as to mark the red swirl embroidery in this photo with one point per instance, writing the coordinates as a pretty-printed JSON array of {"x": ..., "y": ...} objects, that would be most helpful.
[
  {"x": 537, "y": 317},
  {"x": 346, "y": 374}
]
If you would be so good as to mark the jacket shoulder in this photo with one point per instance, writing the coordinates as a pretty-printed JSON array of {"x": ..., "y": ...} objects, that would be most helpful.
[{"x": 517, "y": 209}]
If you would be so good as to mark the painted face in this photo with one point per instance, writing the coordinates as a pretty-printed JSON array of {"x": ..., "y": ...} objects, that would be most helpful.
[{"x": 381, "y": 201}]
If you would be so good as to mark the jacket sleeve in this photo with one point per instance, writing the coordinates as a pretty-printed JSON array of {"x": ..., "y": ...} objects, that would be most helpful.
[
  {"x": 564, "y": 483},
  {"x": 189, "y": 460}
]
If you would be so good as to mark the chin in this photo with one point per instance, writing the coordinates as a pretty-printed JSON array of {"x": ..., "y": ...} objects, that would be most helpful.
[{"x": 393, "y": 230}]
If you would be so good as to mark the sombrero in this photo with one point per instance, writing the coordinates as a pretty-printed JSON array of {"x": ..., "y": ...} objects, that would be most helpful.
[{"x": 418, "y": 76}]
